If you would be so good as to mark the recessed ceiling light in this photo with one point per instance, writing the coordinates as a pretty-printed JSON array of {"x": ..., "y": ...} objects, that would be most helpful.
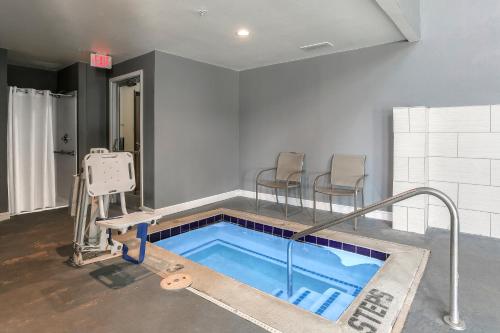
[{"x": 242, "y": 33}]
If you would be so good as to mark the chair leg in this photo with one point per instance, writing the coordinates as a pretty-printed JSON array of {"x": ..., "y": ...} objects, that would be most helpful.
[
  {"x": 286, "y": 202},
  {"x": 257, "y": 197},
  {"x": 314, "y": 206},
  {"x": 355, "y": 209},
  {"x": 363, "y": 199},
  {"x": 331, "y": 207},
  {"x": 276, "y": 194},
  {"x": 300, "y": 194}
]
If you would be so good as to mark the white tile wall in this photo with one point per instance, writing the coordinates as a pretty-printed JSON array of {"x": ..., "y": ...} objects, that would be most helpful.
[
  {"x": 439, "y": 217},
  {"x": 415, "y": 218},
  {"x": 463, "y": 170},
  {"x": 416, "y": 173},
  {"x": 495, "y": 118},
  {"x": 400, "y": 218},
  {"x": 477, "y": 197},
  {"x": 401, "y": 168},
  {"x": 450, "y": 189},
  {"x": 495, "y": 172},
  {"x": 474, "y": 222},
  {"x": 495, "y": 225},
  {"x": 460, "y": 119},
  {"x": 419, "y": 201},
  {"x": 401, "y": 120},
  {"x": 471, "y": 222},
  {"x": 443, "y": 144},
  {"x": 479, "y": 145},
  {"x": 457, "y": 151},
  {"x": 409, "y": 144},
  {"x": 418, "y": 119}
]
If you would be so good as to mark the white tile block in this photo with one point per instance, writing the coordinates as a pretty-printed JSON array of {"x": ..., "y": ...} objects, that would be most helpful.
[
  {"x": 495, "y": 225},
  {"x": 477, "y": 197},
  {"x": 419, "y": 201},
  {"x": 401, "y": 120},
  {"x": 401, "y": 169},
  {"x": 416, "y": 173},
  {"x": 450, "y": 189},
  {"x": 439, "y": 217},
  {"x": 400, "y": 218},
  {"x": 409, "y": 144},
  {"x": 495, "y": 118},
  {"x": 474, "y": 222},
  {"x": 418, "y": 119},
  {"x": 416, "y": 220},
  {"x": 460, "y": 119},
  {"x": 479, "y": 145},
  {"x": 443, "y": 144},
  {"x": 463, "y": 170},
  {"x": 495, "y": 172}
]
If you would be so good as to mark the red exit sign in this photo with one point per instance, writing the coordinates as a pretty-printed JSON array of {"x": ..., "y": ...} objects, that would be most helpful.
[{"x": 100, "y": 60}]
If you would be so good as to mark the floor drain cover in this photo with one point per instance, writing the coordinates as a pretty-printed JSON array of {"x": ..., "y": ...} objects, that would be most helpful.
[{"x": 176, "y": 281}]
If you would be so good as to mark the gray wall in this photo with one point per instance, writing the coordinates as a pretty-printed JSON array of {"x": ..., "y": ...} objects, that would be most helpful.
[
  {"x": 342, "y": 102},
  {"x": 196, "y": 130},
  {"x": 96, "y": 81},
  {"x": 4, "y": 200},
  {"x": 145, "y": 62},
  {"x": 26, "y": 77},
  {"x": 90, "y": 83}
]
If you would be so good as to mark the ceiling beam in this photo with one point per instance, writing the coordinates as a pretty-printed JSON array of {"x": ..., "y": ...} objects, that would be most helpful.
[{"x": 406, "y": 16}]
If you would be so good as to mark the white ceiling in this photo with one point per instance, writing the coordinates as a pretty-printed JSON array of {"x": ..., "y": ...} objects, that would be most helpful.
[{"x": 55, "y": 33}]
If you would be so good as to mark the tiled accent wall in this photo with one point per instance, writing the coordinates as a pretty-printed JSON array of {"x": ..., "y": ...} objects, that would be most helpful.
[
  {"x": 453, "y": 149},
  {"x": 279, "y": 232},
  {"x": 411, "y": 167}
]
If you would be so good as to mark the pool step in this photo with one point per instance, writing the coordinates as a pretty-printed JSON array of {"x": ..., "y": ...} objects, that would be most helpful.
[
  {"x": 279, "y": 293},
  {"x": 324, "y": 301},
  {"x": 334, "y": 305},
  {"x": 329, "y": 304},
  {"x": 304, "y": 298}
]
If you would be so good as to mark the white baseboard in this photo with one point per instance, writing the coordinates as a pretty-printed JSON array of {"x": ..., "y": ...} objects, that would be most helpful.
[
  {"x": 196, "y": 203},
  {"x": 378, "y": 214},
  {"x": 4, "y": 216}
]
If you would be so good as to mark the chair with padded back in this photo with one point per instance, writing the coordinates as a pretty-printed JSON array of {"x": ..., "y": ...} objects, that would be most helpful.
[
  {"x": 287, "y": 175},
  {"x": 347, "y": 178}
]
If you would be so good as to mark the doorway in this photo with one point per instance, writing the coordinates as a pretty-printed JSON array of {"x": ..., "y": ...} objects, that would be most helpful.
[{"x": 126, "y": 104}]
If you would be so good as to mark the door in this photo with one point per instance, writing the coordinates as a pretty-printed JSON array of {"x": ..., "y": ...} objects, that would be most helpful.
[{"x": 126, "y": 128}]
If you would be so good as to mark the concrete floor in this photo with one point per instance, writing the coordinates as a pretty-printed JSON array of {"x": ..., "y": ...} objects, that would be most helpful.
[{"x": 40, "y": 292}]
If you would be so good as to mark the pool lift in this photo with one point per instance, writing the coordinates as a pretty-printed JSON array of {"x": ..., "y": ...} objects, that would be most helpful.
[{"x": 105, "y": 174}]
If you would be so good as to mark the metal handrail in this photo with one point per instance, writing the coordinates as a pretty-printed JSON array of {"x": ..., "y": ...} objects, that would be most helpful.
[{"x": 453, "y": 318}]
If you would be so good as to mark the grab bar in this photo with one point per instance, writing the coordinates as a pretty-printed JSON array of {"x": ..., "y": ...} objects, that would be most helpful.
[{"x": 453, "y": 318}]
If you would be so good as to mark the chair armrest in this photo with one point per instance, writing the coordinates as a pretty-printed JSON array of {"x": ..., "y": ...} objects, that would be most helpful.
[
  {"x": 356, "y": 185},
  {"x": 264, "y": 170},
  {"x": 318, "y": 177},
  {"x": 293, "y": 174}
]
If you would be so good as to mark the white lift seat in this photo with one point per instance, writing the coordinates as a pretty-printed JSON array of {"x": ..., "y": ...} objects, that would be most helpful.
[{"x": 125, "y": 222}]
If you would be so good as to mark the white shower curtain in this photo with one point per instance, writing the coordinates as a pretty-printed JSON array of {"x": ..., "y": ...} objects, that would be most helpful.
[{"x": 30, "y": 149}]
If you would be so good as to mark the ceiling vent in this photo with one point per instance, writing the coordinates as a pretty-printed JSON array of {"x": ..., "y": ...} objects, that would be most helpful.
[{"x": 316, "y": 46}]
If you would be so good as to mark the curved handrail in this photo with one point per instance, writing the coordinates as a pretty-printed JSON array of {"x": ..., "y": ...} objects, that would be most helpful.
[{"x": 453, "y": 318}]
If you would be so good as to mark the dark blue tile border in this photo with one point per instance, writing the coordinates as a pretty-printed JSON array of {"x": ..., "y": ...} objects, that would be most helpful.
[{"x": 279, "y": 232}]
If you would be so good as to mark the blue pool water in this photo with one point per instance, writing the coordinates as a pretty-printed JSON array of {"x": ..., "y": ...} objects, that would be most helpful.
[{"x": 326, "y": 280}]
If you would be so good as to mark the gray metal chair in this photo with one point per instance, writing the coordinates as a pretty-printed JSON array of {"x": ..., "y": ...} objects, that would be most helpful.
[
  {"x": 347, "y": 177},
  {"x": 288, "y": 174}
]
